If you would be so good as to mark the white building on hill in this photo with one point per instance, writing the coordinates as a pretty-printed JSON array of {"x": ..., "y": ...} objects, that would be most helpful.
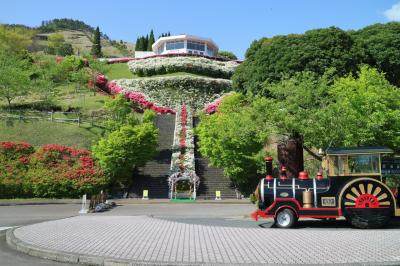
[{"x": 182, "y": 44}]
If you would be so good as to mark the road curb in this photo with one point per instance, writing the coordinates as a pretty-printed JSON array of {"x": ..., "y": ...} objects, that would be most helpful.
[
  {"x": 40, "y": 202},
  {"x": 83, "y": 259},
  {"x": 120, "y": 202}
]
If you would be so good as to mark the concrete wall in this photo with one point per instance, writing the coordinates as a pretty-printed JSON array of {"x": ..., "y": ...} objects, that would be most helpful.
[{"x": 141, "y": 54}]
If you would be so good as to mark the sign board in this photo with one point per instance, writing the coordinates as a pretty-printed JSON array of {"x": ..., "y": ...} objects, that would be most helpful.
[
  {"x": 391, "y": 166},
  {"x": 145, "y": 194},
  {"x": 217, "y": 195}
]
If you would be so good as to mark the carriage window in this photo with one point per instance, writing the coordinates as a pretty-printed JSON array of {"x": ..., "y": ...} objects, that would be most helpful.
[
  {"x": 338, "y": 163},
  {"x": 364, "y": 164}
]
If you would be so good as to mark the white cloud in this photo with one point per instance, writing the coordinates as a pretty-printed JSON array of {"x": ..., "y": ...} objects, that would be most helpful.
[{"x": 393, "y": 13}]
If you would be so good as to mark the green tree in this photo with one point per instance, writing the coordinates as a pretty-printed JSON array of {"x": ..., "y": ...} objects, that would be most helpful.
[
  {"x": 235, "y": 137},
  {"x": 382, "y": 48},
  {"x": 120, "y": 111},
  {"x": 140, "y": 44},
  {"x": 54, "y": 42},
  {"x": 15, "y": 76},
  {"x": 124, "y": 149},
  {"x": 150, "y": 41},
  {"x": 130, "y": 143},
  {"x": 44, "y": 82},
  {"x": 227, "y": 54},
  {"x": 96, "y": 67},
  {"x": 364, "y": 110},
  {"x": 137, "y": 44},
  {"x": 65, "y": 49},
  {"x": 333, "y": 112},
  {"x": 15, "y": 39},
  {"x": 145, "y": 42},
  {"x": 280, "y": 57},
  {"x": 96, "y": 47},
  {"x": 292, "y": 104}
]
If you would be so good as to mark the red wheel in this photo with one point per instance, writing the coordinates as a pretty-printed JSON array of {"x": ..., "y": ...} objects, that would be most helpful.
[{"x": 367, "y": 203}]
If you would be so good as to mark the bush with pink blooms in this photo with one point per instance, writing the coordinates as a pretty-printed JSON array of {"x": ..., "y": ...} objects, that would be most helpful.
[
  {"x": 136, "y": 97},
  {"x": 50, "y": 171}
]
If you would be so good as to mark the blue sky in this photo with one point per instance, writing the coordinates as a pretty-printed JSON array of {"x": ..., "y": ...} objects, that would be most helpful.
[{"x": 232, "y": 24}]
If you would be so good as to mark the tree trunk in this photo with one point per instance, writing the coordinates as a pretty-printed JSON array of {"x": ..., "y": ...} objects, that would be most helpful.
[{"x": 290, "y": 155}]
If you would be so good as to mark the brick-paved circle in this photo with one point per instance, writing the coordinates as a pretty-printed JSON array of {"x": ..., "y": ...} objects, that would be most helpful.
[{"x": 140, "y": 238}]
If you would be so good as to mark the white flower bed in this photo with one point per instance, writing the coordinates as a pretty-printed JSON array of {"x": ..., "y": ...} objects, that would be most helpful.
[
  {"x": 173, "y": 90},
  {"x": 178, "y": 173},
  {"x": 189, "y": 159},
  {"x": 196, "y": 65}
]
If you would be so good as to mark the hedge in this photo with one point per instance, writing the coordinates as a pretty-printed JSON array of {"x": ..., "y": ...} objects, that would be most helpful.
[
  {"x": 174, "y": 90},
  {"x": 196, "y": 65}
]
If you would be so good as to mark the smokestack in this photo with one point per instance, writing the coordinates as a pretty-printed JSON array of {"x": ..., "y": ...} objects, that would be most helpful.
[{"x": 268, "y": 166}]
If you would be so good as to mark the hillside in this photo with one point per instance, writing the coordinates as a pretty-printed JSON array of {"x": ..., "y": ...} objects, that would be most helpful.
[{"x": 81, "y": 42}]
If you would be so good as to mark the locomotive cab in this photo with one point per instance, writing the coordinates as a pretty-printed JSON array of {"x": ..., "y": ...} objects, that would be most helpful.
[
  {"x": 354, "y": 162},
  {"x": 353, "y": 188}
]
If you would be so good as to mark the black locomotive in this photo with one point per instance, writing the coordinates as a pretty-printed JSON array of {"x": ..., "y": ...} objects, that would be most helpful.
[{"x": 354, "y": 189}]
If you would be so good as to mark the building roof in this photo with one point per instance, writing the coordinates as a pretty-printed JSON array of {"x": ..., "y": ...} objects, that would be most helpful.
[
  {"x": 358, "y": 150},
  {"x": 161, "y": 40}
]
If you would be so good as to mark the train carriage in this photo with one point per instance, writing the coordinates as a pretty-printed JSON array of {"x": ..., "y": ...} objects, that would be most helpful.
[{"x": 354, "y": 188}]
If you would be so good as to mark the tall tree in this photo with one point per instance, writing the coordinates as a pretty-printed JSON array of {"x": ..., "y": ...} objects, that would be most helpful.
[
  {"x": 15, "y": 39},
  {"x": 96, "y": 47},
  {"x": 14, "y": 76},
  {"x": 235, "y": 137},
  {"x": 151, "y": 41},
  {"x": 382, "y": 46},
  {"x": 227, "y": 54},
  {"x": 145, "y": 42},
  {"x": 280, "y": 57},
  {"x": 120, "y": 155},
  {"x": 137, "y": 44}
]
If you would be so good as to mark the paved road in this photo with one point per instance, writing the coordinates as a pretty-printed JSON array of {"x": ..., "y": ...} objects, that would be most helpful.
[
  {"x": 142, "y": 238},
  {"x": 23, "y": 215},
  {"x": 11, "y": 216},
  {"x": 216, "y": 215}
]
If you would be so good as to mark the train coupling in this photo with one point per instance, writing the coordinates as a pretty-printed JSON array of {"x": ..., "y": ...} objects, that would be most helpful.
[{"x": 255, "y": 215}]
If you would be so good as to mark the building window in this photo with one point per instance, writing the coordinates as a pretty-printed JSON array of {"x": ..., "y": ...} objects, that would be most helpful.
[
  {"x": 210, "y": 51},
  {"x": 195, "y": 46},
  {"x": 175, "y": 45}
]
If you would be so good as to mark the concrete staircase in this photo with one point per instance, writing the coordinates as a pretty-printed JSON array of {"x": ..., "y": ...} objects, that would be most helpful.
[
  {"x": 211, "y": 180},
  {"x": 153, "y": 176}
]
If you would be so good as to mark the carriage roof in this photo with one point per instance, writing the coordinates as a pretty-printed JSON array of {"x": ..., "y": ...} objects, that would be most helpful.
[{"x": 358, "y": 150}]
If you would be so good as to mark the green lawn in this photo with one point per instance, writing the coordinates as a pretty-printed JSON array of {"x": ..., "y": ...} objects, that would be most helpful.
[
  {"x": 68, "y": 97},
  {"x": 83, "y": 99},
  {"x": 119, "y": 71},
  {"x": 44, "y": 132}
]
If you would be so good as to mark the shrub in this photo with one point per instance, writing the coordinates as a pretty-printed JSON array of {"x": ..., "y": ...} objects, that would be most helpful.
[
  {"x": 15, "y": 150},
  {"x": 51, "y": 171}
]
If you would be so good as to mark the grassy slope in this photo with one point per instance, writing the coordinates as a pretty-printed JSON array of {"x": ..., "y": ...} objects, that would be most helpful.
[
  {"x": 119, "y": 71},
  {"x": 44, "y": 132},
  {"x": 85, "y": 100},
  {"x": 81, "y": 41}
]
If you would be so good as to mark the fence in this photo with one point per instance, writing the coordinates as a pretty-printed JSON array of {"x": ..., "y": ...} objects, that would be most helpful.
[{"x": 95, "y": 119}]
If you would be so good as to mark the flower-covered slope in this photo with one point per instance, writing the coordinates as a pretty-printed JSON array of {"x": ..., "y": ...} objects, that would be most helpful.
[
  {"x": 173, "y": 90},
  {"x": 189, "y": 64}
]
